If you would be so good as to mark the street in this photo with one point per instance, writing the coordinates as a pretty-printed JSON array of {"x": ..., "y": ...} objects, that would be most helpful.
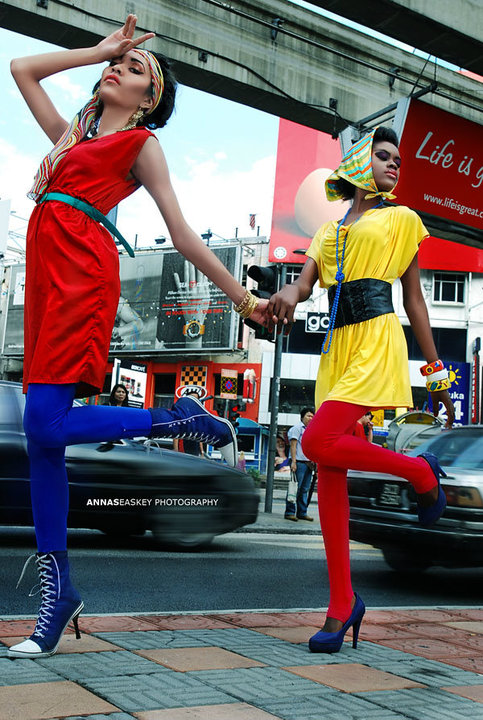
[{"x": 243, "y": 570}]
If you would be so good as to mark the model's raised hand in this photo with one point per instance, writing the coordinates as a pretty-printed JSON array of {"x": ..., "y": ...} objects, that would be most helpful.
[
  {"x": 443, "y": 397},
  {"x": 122, "y": 40}
]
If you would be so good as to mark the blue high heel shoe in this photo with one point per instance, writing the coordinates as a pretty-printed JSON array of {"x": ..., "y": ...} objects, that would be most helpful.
[
  {"x": 324, "y": 642},
  {"x": 60, "y": 605},
  {"x": 429, "y": 515}
]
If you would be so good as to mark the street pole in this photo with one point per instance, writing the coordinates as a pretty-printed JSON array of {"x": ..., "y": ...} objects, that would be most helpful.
[{"x": 274, "y": 403}]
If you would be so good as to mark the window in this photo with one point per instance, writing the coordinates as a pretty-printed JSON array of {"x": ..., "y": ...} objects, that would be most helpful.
[
  {"x": 295, "y": 394},
  {"x": 451, "y": 344},
  {"x": 299, "y": 341},
  {"x": 293, "y": 272},
  {"x": 449, "y": 287},
  {"x": 164, "y": 389}
]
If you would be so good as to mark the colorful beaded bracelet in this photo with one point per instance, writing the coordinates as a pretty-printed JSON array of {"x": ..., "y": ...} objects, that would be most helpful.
[
  {"x": 431, "y": 368},
  {"x": 436, "y": 385}
]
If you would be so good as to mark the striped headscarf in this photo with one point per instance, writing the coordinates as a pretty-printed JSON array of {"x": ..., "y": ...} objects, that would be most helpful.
[
  {"x": 80, "y": 126},
  {"x": 356, "y": 168}
]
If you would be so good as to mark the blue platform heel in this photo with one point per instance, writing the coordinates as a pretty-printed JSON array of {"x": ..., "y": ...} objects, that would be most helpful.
[
  {"x": 60, "y": 604},
  {"x": 429, "y": 515},
  {"x": 324, "y": 642}
]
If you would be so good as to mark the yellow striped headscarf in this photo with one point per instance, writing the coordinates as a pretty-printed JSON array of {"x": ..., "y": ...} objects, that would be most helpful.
[
  {"x": 356, "y": 168},
  {"x": 80, "y": 126}
]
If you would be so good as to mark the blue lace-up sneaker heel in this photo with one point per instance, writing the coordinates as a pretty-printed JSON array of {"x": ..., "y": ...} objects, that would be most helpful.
[
  {"x": 188, "y": 418},
  {"x": 324, "y": 642},
  {"x": 60, "y": 604},
  {"x": 429, "y": 515}
]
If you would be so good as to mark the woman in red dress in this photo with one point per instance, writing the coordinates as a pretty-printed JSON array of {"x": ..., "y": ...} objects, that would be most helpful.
[{"x": 72, "y": 287}]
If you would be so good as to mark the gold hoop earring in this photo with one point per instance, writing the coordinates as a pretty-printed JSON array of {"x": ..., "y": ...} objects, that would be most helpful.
[{"x": 134, "y": 119}]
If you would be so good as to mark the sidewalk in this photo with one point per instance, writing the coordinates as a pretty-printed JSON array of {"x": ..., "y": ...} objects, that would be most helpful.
[
  {"x": 250, "y": 666},
  {"x": 416, "y": 664}
]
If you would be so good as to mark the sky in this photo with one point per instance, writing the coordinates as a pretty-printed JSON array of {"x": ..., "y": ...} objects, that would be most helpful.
[{"x": 221, "y": 154}]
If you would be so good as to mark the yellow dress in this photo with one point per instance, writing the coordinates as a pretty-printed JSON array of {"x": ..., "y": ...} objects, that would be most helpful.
[{"x": 367, "y": 363}]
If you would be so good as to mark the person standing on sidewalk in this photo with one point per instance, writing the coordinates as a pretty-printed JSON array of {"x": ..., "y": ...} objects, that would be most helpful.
[
  {"x": 72, "y": 287},
  {"x": 364, "y": 359},
  {"x": 302, "y": 467}
]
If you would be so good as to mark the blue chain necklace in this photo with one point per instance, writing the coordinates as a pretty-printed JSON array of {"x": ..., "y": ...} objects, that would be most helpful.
[{"x": 339, "y": 276}]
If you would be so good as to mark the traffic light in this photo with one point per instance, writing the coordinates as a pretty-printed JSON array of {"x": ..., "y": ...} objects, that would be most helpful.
[
  {"x": 267, "y": 279},
  {"x": 234, "y": 412}
]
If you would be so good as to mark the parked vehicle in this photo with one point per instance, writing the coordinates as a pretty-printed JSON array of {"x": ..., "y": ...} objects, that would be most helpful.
[
  {"x": 384, "y": 514},
  {"x": 128, "y": 487}
]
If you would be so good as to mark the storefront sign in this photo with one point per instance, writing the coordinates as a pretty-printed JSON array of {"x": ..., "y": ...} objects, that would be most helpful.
[
  {"x": 459, "y": 375},
  {"x": 317, "y": 322},
  {"x": 442, "y": 163}
]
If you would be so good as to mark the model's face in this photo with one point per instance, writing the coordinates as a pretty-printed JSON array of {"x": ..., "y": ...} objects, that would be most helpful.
[
  {"x": 386, "y": 163},
  {"x": 127, "y": 82},
  {"x": 120, "y": 394}
]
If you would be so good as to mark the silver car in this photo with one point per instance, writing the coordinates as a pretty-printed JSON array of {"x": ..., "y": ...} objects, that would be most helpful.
[{"x": 384, "y": 513}]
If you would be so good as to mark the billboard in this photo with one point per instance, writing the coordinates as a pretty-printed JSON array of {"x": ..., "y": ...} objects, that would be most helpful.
[
  {"x": 305, "y": 158},
  {"x": 166, "y": 305},
  {"x": 442, "y": 160}
]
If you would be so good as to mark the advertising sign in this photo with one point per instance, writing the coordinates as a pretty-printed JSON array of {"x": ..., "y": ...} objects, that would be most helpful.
[
  {"x": 317, "y": 322},
  {"x": 13, "y": 334},
  {"x": 229, "y": 384},
  {"x": 166, "y": 305},
  {"x": 305, "y": 158},
  {"x": 133, "y": 376},
  {"x": 459, "y": 374},
  {"x": 442, "y": 163}
]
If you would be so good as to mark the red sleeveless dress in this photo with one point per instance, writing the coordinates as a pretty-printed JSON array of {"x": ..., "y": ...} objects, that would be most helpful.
[{"x": 72, "y": 280}]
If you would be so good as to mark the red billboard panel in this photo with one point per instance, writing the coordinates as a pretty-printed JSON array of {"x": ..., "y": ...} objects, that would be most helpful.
[
  {"x": 305, "y": 158},
  {"x": 442, "y": 165}
]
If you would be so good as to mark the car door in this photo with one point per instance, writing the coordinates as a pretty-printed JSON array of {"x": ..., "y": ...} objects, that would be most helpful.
[{"x": 15, "y": 507}]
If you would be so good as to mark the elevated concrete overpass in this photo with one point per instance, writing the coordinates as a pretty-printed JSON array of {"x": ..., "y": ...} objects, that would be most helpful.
[
  {"x": 448, "y": 29},
  {"x": 300, "y": 70}
]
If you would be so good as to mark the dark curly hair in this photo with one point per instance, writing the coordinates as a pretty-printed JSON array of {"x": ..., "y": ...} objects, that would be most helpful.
[
  {"x": 164, "y": 110},
  {"x": 382, "y": 134}
]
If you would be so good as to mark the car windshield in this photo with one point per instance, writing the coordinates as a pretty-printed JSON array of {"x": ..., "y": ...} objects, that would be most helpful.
[{"x": 456, "y": 448}]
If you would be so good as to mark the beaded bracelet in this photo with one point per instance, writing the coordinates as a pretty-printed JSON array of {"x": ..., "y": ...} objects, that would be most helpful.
[
  {"x": 436, "y": 385},
  {"x": 431, "y": 368},
  {"x": 440, "y": 375},
  {"x": 247, "y": 305}
]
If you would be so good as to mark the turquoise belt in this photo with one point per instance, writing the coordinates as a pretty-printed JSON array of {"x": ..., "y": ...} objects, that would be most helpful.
[{"x": 93, "y": 213}]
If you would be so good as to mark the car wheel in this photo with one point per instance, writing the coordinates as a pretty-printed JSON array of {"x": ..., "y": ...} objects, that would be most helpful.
[
  {"x": 404, "y": 561},
  {"x": 181, "y": 541}
]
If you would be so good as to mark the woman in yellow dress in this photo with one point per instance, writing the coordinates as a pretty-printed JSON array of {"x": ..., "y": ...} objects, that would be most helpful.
[{"x": 364, "y": 361}]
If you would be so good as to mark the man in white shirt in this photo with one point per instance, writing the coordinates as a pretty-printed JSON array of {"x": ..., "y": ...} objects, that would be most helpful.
[{"x": 301, "y": 466}]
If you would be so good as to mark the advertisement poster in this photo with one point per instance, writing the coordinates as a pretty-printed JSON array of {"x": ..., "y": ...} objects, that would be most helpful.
[
  {"x": 166, "y": 305},
  {"x": 13, "y": 331},
  {"x": 443, "y": 164},
  {"x": 305, "y": 159},
  {"x": 133, "y": 376},
  {"x": 459, "y": 375}
]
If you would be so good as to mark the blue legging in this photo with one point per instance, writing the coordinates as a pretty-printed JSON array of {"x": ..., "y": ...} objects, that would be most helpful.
[{"x": 51, "y": 423}]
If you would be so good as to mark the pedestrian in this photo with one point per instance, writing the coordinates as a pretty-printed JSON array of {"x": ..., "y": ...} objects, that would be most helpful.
[
  {"x": 302, "y": 467},
  {"x": 72, "y": 287},
  {"x": 364, "y": 361},
  {"x": 282, "y": 460},
  {"x": 363, "y": 427},
  {"x": 119, "y": 396}
]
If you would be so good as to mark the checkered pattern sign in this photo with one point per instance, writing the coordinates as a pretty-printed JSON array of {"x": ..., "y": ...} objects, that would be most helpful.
[
  {"x": 194, "y": 375},
  {"x": 229, "y": 384}
]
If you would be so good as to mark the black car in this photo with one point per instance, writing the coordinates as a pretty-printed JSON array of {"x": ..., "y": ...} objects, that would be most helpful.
[
  {"x": 384, "y": 513},
  {"x": 128, "y": 487}
]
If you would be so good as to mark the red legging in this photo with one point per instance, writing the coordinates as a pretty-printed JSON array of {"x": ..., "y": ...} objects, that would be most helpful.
[{"x": 329, "y": 442}]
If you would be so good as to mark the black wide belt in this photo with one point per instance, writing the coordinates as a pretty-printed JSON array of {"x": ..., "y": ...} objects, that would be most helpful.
[{"x": 361, "y": 300}]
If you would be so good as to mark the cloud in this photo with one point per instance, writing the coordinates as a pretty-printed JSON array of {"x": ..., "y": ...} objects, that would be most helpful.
[
  {"x": 210, "y": 198},
  {"x": 71, "y": 90},
  {"x": 16, "y": 176}
]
